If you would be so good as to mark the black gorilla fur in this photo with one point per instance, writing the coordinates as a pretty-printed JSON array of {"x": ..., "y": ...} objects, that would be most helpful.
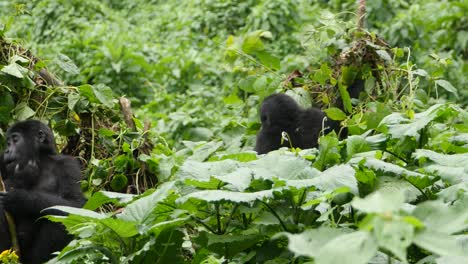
[
  {"x": 279, "y": 113},
  {"x": 36, "y": 177}
]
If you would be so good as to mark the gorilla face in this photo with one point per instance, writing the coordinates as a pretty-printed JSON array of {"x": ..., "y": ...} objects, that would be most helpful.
[
  {"x": 27, "y": 140},
  {"x": 16, "y": 147}
]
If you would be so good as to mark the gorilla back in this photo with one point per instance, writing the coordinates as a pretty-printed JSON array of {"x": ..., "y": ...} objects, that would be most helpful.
[{"x": 36, "y": 178}]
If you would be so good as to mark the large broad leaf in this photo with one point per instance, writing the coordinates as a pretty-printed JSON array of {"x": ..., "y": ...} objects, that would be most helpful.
[
  {"x": 236, "y": 197},
  {"x": 354, "y": 248},
  {"x": 395, "y": 184},
  {"x": 356, "y": 144},
  {"x": 79, "y": 212},
  {"x": 383, "y": 166},
  {"x": 455, "y": 160},
  {"x": 104, "y": 94},
  {"x": 67, "y": 64},
  {"x": 100, "y": 198},
  {"x": 331, "y": 179},
  {"x": 309, "y": 242},
  {"x": 142, "y": 208},
  {"x": 268, "y": 60},
  {"x": 439, "y": 243},
  {"x": 281, "y": 166},
  {"x": 452, "y": 168},
  {"x": 395, "y": 236},
  {"x": 202, "y": 150},
  {"x": 447, "y": 86},
  {"x": 23, "y": 111},
  {"x": 329, "y": 152},
  {"x": 121, "y": 228},
  {"x": 239, "y": 179},
  {"x": 202, "y": 171},
  {"x": 445, "y": 219},
  {"x": 335, "y": 114},
  {"x": 15, "y": 70},
  {"x": 453, "y": 192},
  {"x": 379, "y": 202},
  {"x": 400, "y": 126},
  {"x": 252, "y": 42},
  {"x": 331, "y": 246}
]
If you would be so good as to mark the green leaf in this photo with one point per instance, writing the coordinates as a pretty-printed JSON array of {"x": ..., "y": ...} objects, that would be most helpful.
[
  {"x": 20, "y": 59},
  {"x": 331, "y": 179},
  {"x": 23, "y": 111},
  {"x": 232, "y": 99},
  {"x": 439, "y": 243},
  {"x": 260, "y": 84},
  {"x": 284, "y": 167},
  {"x": 447, "y": 86},
  {"x": 268, "y": 60},
  {"x": 395, "y": 236},
  {"x": 335, "y": 114},
  {"x": 122, "y": 228},
  {"x": 252, "y": 43},
  {"x": 142, "y": 208},
  {"x": 202, "y": 171},
  {"x": 329, "y": 151},
  {"x": 344, "y": 94},
  {"x": 323, "y": 75},
  {"x": 354, "y": 248},
  {"x": 379, "y": 202},
  {"x": 356, "y": 144},
  {"x": 73, "y": 99},
  {"x": 445, "y": 219},
  {"x": 236, "y": 197},
  {"x": 15, "y": 70},
  {"x": 310, "y": 242},
  {"x": 400, "y": 126},
  {"x": 104, "y": 94},
  {"x": 66, "y": 64},
  {"x": 383, "y": 166},
  {"x": 247, "y": 84},
  {"x": 86, "y": 91},
  {"x": 395, "y": 184},
  {"x": 384, "y": 55},
  {"x": 100, "y": 198},
  {"x": 79, "y": 212}
]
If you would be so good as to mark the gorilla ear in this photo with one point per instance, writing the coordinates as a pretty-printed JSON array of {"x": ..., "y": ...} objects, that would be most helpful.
[{"x": 41, "y": 136}]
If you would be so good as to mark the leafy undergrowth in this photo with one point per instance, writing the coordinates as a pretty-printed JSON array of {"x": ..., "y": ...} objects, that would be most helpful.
[{"x": 386, "y": 198}]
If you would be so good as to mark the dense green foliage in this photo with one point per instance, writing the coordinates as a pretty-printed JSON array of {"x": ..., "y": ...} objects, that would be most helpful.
[{"x": 189, "y": 188}]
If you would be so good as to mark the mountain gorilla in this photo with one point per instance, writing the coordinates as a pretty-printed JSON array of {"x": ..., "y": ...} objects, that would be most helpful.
[
  {"x": 279, "y": 113},
  {"x": 36, "y": 177}
]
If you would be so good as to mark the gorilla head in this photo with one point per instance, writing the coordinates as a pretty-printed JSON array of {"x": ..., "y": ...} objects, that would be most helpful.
[{"x": 26, "y": 139}]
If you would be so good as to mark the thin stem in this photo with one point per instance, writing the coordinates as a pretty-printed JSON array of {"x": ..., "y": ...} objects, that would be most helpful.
[{"x": 283, "y": 225}]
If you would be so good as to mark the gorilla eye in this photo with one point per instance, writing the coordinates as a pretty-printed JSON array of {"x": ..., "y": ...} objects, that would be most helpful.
[
  {"x": 14, "y": 138},
  {"x": 263, "y": 118}
]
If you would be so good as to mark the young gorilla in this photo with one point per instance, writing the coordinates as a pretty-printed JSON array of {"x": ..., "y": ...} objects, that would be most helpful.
[
  {"x": 36, "y": 177},
  {"x": 279, "y": 113}
]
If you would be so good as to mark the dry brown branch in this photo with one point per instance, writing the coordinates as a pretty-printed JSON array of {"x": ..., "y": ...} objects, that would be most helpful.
[{"x": 127, "y": 112}]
